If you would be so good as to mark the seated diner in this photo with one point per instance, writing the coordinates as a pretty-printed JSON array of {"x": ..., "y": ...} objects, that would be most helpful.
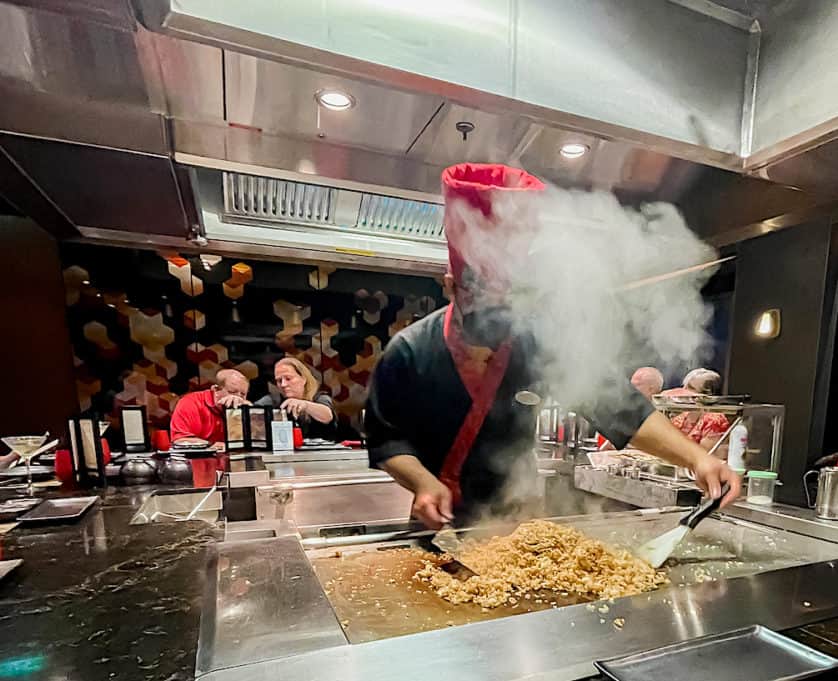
[{"x": 303, "y": 401}]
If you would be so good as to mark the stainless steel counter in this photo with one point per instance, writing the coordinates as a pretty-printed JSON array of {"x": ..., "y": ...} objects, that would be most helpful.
[
  {"x": 560, "y": 645},
  {"x": 318, "y": 504},
  {"x": 774, "y": 566},
  {"x": 302, "y": 469},
  {"x": 266, "y": 603},
  {"x": 553, "y": 644},
  {"x": 307, "y": 456},
  {"x": 643, "y": 492},
  {"x": 790, "y": 518}
]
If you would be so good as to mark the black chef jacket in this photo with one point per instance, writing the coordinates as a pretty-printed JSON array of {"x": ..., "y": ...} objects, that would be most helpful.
[{"x": 417, "y": 403}]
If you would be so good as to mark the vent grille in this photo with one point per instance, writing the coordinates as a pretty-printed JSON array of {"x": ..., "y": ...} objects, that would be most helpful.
[
  {"x": 282, "y": 201},
  {"x": 389, "y": 215},
  {"x": 267, "y": 198}
]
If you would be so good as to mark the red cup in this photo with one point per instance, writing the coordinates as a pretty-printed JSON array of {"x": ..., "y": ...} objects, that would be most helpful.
[
  {"x": 203, "y": 472},
  {"x": 161, "y": 440},
  {"x": 106, "y": 451},
  {"x": 298, "y": 438},
  {"x": 63, "y": 465}
]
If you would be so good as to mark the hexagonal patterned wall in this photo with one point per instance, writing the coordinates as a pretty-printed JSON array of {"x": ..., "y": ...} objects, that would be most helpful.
[{"x": 148, "y": 327}]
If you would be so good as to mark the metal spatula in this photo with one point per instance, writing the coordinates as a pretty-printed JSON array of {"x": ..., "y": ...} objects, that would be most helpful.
[
  {"x": 447, "y": 541},
  {"x": 657, "y": 550}
]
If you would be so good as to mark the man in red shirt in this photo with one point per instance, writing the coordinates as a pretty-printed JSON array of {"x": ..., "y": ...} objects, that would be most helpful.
[{"x": 199, "y": 414}]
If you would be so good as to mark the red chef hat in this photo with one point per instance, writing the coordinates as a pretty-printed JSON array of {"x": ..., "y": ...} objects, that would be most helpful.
[{"x": 470, "y": 189}]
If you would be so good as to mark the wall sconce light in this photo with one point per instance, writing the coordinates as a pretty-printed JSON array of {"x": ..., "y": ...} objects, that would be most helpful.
[{"x": 768, "y": 324}]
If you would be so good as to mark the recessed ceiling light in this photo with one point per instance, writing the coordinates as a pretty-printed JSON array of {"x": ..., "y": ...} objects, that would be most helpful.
[
  {"x": 86, "y": 282},
  {"x": 334, "y": 99},
  {"x": 574, "y": 150}
]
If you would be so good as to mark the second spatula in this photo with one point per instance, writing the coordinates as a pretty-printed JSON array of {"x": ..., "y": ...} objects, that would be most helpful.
[{"x": 657, "y": 550}]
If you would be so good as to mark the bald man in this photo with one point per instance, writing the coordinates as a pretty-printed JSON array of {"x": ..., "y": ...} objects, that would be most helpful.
[
  {"x": 647, "y": 381},
  {"x": 199, "y": 414}
]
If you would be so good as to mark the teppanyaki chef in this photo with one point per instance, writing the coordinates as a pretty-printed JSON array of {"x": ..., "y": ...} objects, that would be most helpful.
[{"x": 445, "y": 416}]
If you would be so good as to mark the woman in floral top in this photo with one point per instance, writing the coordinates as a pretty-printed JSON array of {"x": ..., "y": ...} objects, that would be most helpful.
[{"x": 705, "y": 428}]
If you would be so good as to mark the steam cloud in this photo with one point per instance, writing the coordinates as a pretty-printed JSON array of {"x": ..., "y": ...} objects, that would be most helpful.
[{"x": 568, "y": 256}]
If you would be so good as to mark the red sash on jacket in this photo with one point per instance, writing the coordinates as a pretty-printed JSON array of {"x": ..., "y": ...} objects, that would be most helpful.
[{"x": 482, "y": 389}]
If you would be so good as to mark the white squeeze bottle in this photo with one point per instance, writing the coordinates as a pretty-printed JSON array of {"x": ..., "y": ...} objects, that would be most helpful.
[{"x": 737, "y": 446}]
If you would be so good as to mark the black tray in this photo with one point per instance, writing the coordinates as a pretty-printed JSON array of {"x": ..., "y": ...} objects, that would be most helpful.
[
  {"x": 765, "y": 654},
  {"x": 59, "y": 510},
  {"x": 10, "y": 509}
]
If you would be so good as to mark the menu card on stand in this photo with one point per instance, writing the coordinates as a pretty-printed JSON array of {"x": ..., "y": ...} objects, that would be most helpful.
[
  {"x": 87, "y": 456},
  {"x": 282, "y": 432},
  {"x": 135, "y": 434},
  {"x": 75, "y": 448},
  {"x": 234, "y": 436},
  {"x": 257, "y": 431}
]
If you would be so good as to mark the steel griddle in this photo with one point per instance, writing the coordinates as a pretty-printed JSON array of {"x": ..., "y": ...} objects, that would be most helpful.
[{"x": 357, "y": 579}]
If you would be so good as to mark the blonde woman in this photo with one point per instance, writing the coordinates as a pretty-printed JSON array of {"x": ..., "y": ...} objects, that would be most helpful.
[{"x": 301, "y": 398}]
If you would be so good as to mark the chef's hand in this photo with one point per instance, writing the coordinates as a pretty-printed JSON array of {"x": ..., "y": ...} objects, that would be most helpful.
[
  {"x": 711, "y": 474},
  {"x": 659, "y": 437},
  {"x": 432, "y": 503},
  {"x": 294, "y": 407},
  {"x": 432, "y": 500}
]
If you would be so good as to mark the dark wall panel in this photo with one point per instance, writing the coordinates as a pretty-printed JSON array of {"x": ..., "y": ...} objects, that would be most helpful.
[
  {"x": 789, "y": 270},
  {"x": 147, "y": 327},
  {"x": 38, "y": 386}
]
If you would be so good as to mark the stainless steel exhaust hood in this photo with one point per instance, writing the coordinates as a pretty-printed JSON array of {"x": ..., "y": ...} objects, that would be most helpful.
[
  {"x": 737, "y": 84},
  {"x": 202, "y": 118},
  {"x": 328, "y": 222}
]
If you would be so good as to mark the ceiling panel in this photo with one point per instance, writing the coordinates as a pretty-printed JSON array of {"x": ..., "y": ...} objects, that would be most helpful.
[
  {"x": 187, "y": 75},
  {"x": 63, "y": 56},
  {"x": 278, "y": 98},
  {"x": 88, "y": 122},
  {"x": 493, "y": 140},
  {"x": 609, "y": 165},
  {"x": 651, "y": 67},
  {"x": 516, "y": 140},
  {"x": 113, "y": 13},
  {"x": 754, "y": 9}
]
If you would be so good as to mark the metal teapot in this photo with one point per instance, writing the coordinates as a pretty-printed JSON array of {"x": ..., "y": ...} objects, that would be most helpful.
[
  {"x": 138, "y": 471},
  {"x": 826, "y": 501},
  {"x": 176, "y": 469}
]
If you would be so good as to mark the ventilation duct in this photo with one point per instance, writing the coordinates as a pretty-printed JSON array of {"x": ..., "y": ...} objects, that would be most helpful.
[
  {"x": 267, "y": 200},
  {"x": 319, "y": 221}
]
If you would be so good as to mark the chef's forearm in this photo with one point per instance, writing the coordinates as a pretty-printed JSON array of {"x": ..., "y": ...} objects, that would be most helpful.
[
  {"x": 408, "y": 471},
  {"x": 657, "y": 436}
]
